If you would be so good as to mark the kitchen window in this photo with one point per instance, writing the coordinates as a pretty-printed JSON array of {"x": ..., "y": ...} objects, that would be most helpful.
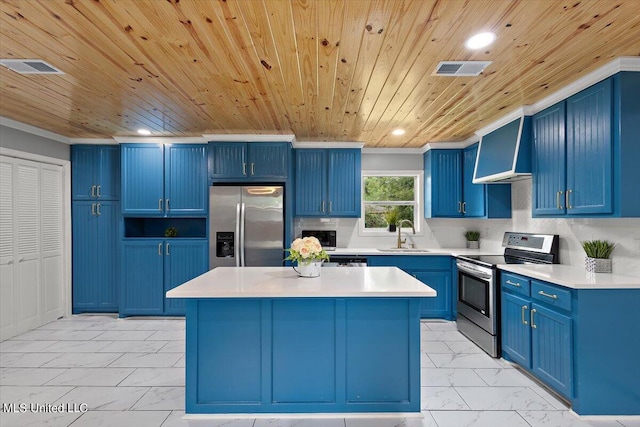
[{"x": 389, "y": 197}]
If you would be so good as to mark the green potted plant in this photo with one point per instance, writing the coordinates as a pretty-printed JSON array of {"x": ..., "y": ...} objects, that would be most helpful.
[
  {"x": 598, "y": 252},
  {"x": 392, "y": 216},
  {"x": 473, "y": 239}
]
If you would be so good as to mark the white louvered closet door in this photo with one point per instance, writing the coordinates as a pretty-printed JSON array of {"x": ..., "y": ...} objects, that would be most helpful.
[
  {"x": 52, "y": 295},
  {"x": 7, "y": 247},
  {"x": 28, "y": 242}
]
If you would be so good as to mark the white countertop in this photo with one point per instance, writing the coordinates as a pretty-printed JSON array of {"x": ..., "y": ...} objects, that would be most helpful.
[
  {"x": 573, "y": 277},
  {"x": 283, "y": 282},
  {"x": 419, "y": 252}
]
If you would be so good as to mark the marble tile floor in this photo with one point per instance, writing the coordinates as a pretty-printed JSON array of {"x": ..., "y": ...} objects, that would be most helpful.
[{"x": 130, "y": 372}]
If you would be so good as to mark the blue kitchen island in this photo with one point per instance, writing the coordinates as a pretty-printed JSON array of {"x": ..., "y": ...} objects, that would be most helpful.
[{"x": 263, "y": 340}]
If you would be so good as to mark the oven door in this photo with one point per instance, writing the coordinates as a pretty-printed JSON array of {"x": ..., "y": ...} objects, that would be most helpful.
[{"x": 477, "y": 296}]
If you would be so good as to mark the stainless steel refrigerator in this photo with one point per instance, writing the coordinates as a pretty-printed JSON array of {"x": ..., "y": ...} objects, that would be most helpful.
[{"x": 246, "y": 226}]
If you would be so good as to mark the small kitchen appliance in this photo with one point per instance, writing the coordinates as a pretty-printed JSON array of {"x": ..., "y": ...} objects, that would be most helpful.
[{"x": 479, "y": 285}]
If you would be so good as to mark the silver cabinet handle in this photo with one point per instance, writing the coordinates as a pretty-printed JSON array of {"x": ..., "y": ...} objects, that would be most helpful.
[
  {"x": 558, "y": 203},
  {"x": 159, "y": 249},
  {"x": 566, "y": 199},
  {"x": 244, "y": 169},
  {"x": 544, "y": 294},
  {"x": 98, "y": 209},
  {"x": 533, "y": 325},
  {"x": 167, "y": 250},
  {"x": 98, "y": 192},
  {"x": 93, "y": 208},
  {"x": 160, "y": 205},
  {"x": 459, "y": 206},
  {"x": 524, "y": 320},
  {"x": 166, "y": 203},
  {"x": 323, "y": 206},
  {"x": 509, "y": 282},
  {"x": 93, "y": 191},
  {"x": 464, "y": 207},
  {"x": 330, "y": 206},
  {"x": 253, "y": 171}
]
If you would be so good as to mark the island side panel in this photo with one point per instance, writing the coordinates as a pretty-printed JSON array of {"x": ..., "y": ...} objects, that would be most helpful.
[{"x": 292, "y": 355}]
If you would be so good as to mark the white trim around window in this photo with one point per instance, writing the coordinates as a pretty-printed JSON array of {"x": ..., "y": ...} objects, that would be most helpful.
[{"x": 418, "y": 212}]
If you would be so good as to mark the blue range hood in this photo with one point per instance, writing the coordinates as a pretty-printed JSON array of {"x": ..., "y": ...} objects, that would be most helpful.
[{"x": 505, "y": 153}]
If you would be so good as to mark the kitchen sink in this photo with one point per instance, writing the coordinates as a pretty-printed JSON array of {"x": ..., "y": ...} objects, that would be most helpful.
[{"x": 412, "y": 250}]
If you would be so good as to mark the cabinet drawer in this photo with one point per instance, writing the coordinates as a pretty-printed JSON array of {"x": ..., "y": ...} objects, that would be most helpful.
[
  {"x": 552, "y": 295},
  {"x": 515, "y": 283}
]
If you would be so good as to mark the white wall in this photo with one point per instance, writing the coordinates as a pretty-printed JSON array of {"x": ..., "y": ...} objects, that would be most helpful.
[{"x": 448, "y": 233}]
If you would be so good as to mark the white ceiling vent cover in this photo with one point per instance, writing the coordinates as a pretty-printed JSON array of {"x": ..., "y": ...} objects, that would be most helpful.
[
  {"x": 460, "y": 68},
  {"x": 30, "y": 66}
]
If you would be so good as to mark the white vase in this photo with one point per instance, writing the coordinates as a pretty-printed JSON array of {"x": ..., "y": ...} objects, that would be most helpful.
[
  {"x": 597, "y": 265},
  {"x": 473, "y": 244},
  {"x": 310, "y": 269}
]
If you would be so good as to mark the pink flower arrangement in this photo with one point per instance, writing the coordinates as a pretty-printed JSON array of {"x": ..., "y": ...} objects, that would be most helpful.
[{"x": 307, "y": 250}]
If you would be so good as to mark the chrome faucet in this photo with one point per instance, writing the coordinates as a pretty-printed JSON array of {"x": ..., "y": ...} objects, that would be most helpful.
[{"x": 399, "y": 224}]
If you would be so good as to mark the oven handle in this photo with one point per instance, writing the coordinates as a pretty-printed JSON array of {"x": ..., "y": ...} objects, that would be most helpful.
[{"x": 474, "y": 272}]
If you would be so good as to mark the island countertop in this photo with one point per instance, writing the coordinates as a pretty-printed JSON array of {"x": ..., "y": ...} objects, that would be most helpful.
[{"x": 283, "y": 282}]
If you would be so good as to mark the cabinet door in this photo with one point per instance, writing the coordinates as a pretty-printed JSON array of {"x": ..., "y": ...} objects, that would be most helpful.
[
  {"x": 83, "y": 176},
  {"x": 311, "y": 183},
  {"x": 445, "y": 179},
  {"x": 344, "y": 183},
  {"x": 590, "y": 151},
  {"x": 548, "y": 163},
  {"x": 108, "y": 173},
  {"x": 552, "y": 351},
  {"x": 228, "y": 160},
  {"x": 107, "y": 258},
  {"x": 184, "y": 260},
  {"x": 516, "y": 333},
  {"x": 473, "y": 195},
  {"x": 185, "y": 174},
  {"x": 84, "y": 240},
  {"x": 142, "y": 179},
  {"x": 142, "y": 274},
  {"x": 439, "y": 306},
  {"x": 268, "y": 159}
]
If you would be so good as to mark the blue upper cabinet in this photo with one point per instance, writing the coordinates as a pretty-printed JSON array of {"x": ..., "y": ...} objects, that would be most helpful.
[
  {"x": 344, "y": 183},
  {"x": 451, "y": 193},
  {"x": 95, "y": 172},
  {"x": 585, "y": 152},
  {"x": 185, "y": 185},
  {"x": 164, "y": 181},
  {"x": 548, "y": 163},
  {"x": 249, "y": 160},
  {"x": 328, "y": 182}
]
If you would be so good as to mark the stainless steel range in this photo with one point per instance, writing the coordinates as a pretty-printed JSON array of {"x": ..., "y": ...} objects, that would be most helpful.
[{"x": 479, "y": 285}]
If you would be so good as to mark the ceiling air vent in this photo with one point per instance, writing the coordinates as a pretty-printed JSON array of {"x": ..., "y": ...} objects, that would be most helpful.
[
  {"x": 29, "y": 66},
  {"x": 460, "y": 68}
]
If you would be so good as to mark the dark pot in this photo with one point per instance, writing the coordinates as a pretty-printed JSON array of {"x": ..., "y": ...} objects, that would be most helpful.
[{"x": 392, "y": 228}]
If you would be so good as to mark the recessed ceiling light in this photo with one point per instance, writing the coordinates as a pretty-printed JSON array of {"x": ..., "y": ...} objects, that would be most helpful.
[
  {"x": 398, "y": 132},
  {"x": 144, "y": 132},
  {"x": 480, "y": 40}
]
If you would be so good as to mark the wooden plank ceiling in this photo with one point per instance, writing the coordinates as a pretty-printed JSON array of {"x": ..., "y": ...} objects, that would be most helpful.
[{"x": 325, "y": 70}]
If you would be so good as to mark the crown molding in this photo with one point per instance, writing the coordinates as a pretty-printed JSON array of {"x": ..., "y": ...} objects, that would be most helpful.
[
  {"x": 226, "y": 137},
  {"x": 5, "y": 121},
  {"x": 625, "y": 63},
  {"x": 321, "y": 144},
  {"x": 392, "y": 150},
  {"x": 160, "y": 140},
  {"x": 93, "y": 141}
]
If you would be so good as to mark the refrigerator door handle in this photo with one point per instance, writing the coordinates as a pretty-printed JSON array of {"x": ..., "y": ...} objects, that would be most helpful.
[
  {"x": 242, "y": 260},
  {"x": 236, "y": 244}
]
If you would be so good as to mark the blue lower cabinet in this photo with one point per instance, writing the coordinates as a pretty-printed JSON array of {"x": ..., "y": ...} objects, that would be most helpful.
[
  {"x": 96, "y": 263},
  {"x": 516, "y": 333},
  {"x": 551, "y": 343},
  {"x": 440, "y": 306},
  {"x": 301, "y": 355},
  {"x": 150, "y": 267},
  {"x": 435, "y": 272}
]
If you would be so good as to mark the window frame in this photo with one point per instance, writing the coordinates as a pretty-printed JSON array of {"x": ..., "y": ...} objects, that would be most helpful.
[{"x": 418, "y": 210}]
